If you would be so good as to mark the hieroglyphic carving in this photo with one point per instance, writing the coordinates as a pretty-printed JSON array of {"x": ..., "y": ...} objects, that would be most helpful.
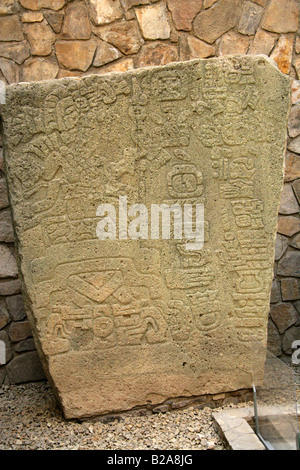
[{"x": 117, "y": 321}]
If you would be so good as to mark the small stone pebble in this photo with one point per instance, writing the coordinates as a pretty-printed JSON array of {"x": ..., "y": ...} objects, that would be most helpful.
[{"x": 31, "y": 420}]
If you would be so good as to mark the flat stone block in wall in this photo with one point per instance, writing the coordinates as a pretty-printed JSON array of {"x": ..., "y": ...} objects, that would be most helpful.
[
  {"x": 129, "y": 320},
  {"x": 26, "y": 367}
]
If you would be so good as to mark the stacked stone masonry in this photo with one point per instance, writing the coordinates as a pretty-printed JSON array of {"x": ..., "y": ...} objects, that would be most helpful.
[{"x": 47, "y": 39}]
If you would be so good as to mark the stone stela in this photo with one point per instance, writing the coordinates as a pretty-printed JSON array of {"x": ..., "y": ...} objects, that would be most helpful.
[{"x": 123, "y": 323}]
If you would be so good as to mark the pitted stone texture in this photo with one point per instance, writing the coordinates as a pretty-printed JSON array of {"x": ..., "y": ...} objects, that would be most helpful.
[
  {"x": 122, "y": 323},
  {"x": 281, "y": 17}
]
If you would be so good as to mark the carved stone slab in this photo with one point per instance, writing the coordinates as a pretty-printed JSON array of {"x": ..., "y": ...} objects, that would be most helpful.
[{"x": 122, "y": 323}]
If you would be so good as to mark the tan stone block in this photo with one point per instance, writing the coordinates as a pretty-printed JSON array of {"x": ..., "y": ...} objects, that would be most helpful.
[
  {"x": 129, "y": 321},
  {"x": 292, "y": 167},
  {"x": 32, "y": 17},
  {"x": 8, "y": 7},
  {"x": 183, "y": 13},
  {"x": 288, "y": 202},
  {"x": 281, "y": 17},
  {"x": 39, "y": 4},
  {"x": 77, "y": 24},
  {"x": 208, "y": 3},
  {"x": 105, "y": 11},
  {"x": 37, "y": 69},
  {"x": 263, "y": 43},
  {"x": 55, "y": 19},
  {"x": 294, "y": 121},
  {"x": 288, "y": 225},
  {"x": 284, "y": 315},
  {"x": 120, "y": 66},
  {"x": 210, "y": 24},
  {"x": 40, "y": 37},
  {"x": 10, "y": 29},
  {"x": 233, "y": 43},
  {"x": 17, "y": 51},
  {"x": 63, "y": 73},
  {"x": 193, "y": 48},
  {"x": 281, "y": 244},
  {"x": 283, "y": 53},
  {"x": 153, "y": 21},
  {"x": 296, "y": 64},
  {"x": 10, "y": 70},
  {"x": 105, "y": 53},
  {"x": 77, "y": 55},
  {"x": 8, "y": 266},
  {"x": 157, "y": 54},
  {"x": 297, "y": 45},
  {"x": 250, "y": 18},
  {"x": 124, "y": 35}
]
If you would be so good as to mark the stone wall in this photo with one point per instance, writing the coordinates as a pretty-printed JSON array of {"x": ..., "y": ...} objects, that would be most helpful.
[{"x": 46, "y": 39}]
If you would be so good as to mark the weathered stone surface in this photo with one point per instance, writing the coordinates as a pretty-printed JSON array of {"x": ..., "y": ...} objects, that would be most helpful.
[
  {"x": 36, "y": 69},
  {"x": 25, "y": 345},
  {"x": 120, "y": 66},
  {"x": 233, "y": 43},
  {"x": 283, "y": 53},
  {"x": 296, "y": 187},
  {"x": 77, "y": 24},
  {"x": 119, "y": 323},
  {"x": 3, "y": 194},
  {"x": 294, "y": 121},
  {"x": 288, "y": 202},
  {"x": 19, "y": 331},
  {"x": 157, "y": 54},
  {"x": 296, "y": 64},
  {"x": 25, "y": 368},
  {"x": 281, "y": 17},
  {"x": 8, "y": 266},
  {"x": 4, "y": 337},
  {"x": 288, "y": 225},
  {"x": 273, "y": 339},
  {"x": 6, "y": 229},
  {"x": 10, "y": 287},
  {"x": 7, "y": 7},
  {"x": 76, "y": 55},
  {"x": 294, "y": 145},
  {"x": 290, "y": 288},
  {"x": 210, "y": 24},
  {"x": 275, "y": 293},
  {"x": 105, "y": 53},
  {"x": 183, "y": 13},
  {"x": 63, "y": 73},
  {"x": 291, "y": 335},
  {"x": 32, "y": 17},
  {"x": 194, "y": 48},
  {"x": 289, "y": 265},
  {"x": 263, "y": 43},
  {"x": 40, "y": 37},
  {"x": 125, "y": 35},
  {"x": 16, "y": 307},
  {"x": 9, "y": 70},
  {"x": 281, "y": 244},
  {"x": 295, "y": 243},
  {"x": 17, "y": 51},
  {"x": 208, "y": 3},
  {"x": 284, "y": 315},
  {"x": 39, "y": 4},
  {"x": 10, "y": 29},
  {"x": 249, "y": 21},
  {"x": 105, "y": 11},
  {"x": 153, "y": 21},
  {"x": 4, "y": 315},
  {"x": 55, "y": 19},
  {"x": 295, "y": 91}
]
